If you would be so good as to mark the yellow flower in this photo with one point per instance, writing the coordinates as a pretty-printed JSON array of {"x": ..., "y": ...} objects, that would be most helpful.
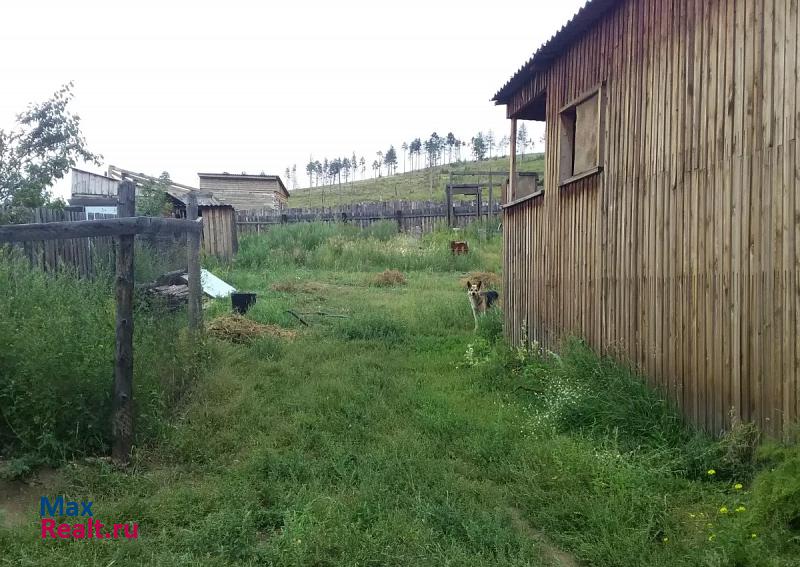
[
  {"x": 665, "y": 540},
  {"x": 754, "y": 536},
  {"x": 712, "y": 537},
  {"x": 738, "y": 486},
  {"x": 741, "y": 509},
  {"x": 711, "y": 472},
  {"x": 723, "y": 510}
]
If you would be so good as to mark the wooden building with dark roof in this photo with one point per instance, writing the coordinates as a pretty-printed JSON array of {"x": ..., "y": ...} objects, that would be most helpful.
[{"x": 667, "y": 231}]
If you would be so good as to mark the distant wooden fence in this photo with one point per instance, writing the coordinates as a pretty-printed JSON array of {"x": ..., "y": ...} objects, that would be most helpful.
[
  {"x": 79, "y": 254},
  {"x": 410, "y": 216}
]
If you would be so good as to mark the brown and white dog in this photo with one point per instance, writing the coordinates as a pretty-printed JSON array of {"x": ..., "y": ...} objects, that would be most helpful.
[{"x": 480, "y": 300}]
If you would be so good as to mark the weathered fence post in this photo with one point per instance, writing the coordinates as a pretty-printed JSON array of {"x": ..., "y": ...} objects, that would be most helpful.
[
  {"x": 122, "y": 424},
  {"x": 398, "y": 214},
  {"x": 193, "y": 263}
]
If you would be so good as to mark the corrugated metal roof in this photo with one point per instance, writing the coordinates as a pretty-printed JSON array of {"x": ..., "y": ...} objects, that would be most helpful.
[
  {"x": 541, "y": 60},
  {"x": 174, "y": 190}
]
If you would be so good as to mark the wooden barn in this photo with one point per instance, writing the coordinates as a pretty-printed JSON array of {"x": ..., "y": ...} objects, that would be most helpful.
[
  {"x": 247, "y": 192},
  {"x": 97, "y": 193},
  {"x": 667, "y": 231}
]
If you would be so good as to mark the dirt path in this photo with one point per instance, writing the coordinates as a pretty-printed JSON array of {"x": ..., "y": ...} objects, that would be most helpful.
[{"x": 19, "y": 499}]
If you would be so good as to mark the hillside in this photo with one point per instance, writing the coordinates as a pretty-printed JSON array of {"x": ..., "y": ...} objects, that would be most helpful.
[{"x": 411, "y": 186}]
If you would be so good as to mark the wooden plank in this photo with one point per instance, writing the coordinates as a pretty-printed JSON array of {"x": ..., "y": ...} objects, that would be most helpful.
[
  {"x": 122, "y": 420},
  {"x": 195, "y": 308},
  {"x": 104, "y": 227}
]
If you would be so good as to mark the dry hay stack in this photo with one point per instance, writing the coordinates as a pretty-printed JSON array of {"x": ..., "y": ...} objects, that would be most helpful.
[
  {"x": 488, "y": 279},
  {"x": 238, "y": 329},
  {"x": 388, "y": 278},
  {"x": 298, "y": 287}
]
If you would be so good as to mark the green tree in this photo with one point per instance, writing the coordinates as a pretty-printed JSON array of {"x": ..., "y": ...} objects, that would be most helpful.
[
  {"x": 405, "y": 150},
  {"x": 318, "y": 170},
  {"x": 44, "y": 145},
  {"x": 415, "y": 149},
  {"x": 311, "y": 169},
  {"x": 479, "y": 146},
  {"x": 491, "y": 143},
  {"x": 346, "y": 168},
  {"x": 152, "y": 200},
  {"x": 390, "y": 159},
  {"x": 433, "y": 147},
  {"x": 450, "y": 140},
  {"x": 522, "y": 138}
]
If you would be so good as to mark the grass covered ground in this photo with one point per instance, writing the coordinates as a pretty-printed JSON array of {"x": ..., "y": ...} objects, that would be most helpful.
[
  {"x": 398, "y": 436},
  {"x": 410, "y": 186}
]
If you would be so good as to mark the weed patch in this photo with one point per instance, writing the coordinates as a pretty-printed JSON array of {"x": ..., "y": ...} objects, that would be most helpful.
[
  {"x": 56, "y": 363},
  {"x": 372, "y": 327}
]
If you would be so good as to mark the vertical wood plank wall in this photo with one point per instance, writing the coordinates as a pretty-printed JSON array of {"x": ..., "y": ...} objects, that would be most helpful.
[
  {"x": 682, "y": 256},
  {"x": 219, "y": 232}
]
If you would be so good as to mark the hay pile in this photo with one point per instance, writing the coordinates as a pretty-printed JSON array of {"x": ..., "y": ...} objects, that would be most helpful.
[
  {"x": 388, "y": 278},
  {"x": 238, "y": 329},
  {"x": 489, "y": 280},
  {"x": 298, "y": 287}
]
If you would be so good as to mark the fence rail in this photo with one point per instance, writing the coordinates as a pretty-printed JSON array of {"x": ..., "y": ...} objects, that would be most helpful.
[
  {"x": 410, "y": 216},
  {"x": 78, "y": 254},
  {"x": 123, "y": 228}
]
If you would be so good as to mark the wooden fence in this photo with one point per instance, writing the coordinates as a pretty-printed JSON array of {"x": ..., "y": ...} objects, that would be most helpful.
[
  {"x": 410, "y": 216},
  {"x": 79, "y": 254},
  {"x": 124, "y": 229}
]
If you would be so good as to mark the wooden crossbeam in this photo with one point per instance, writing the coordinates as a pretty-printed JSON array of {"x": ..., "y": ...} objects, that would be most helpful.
[{"x": 102, "y": 227}]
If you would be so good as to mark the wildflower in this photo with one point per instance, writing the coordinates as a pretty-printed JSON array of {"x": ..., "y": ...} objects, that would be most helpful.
[
  {"x": 665, "y": 539},
  {"x": 753, "y": 536},
  {"x": 692, "y": 515},
  {"x": 741, "y": 509},
  {"x": 738, "y": 486},
  {"x": 712, "y": 537},
  {"x": 723, "y": 510},
  {"x": 711, "y": 472}
]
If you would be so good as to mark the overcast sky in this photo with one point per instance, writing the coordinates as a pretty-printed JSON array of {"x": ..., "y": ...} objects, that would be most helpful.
[{"x": 251, "y": 86}]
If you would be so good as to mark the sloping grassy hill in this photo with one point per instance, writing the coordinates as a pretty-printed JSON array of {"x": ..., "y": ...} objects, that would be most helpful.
[{"x": 411, "y": 186}]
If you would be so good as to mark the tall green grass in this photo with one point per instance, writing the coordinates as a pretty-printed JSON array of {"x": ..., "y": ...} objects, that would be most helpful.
[
  {"x": 57, "y": 340},
  {"x": 343, "y": 247}
]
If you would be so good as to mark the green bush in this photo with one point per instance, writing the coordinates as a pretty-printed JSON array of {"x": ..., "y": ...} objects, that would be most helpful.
[
  {"x": 776, "y": 494},
  {"x": 56, "y": 365},
  {"x": 579, "y": 392},
  {"x": 490, "y": 326}
]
